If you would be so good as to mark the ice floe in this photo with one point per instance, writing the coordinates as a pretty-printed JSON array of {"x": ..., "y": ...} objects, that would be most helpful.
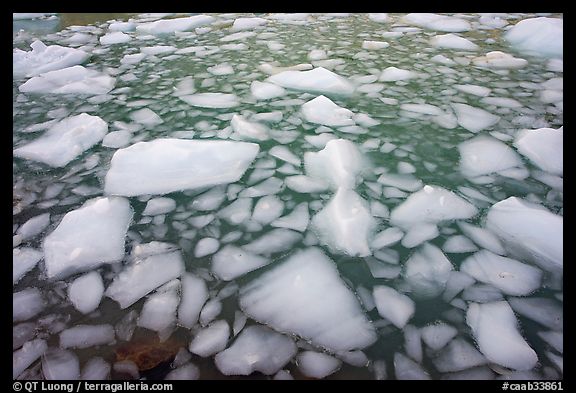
[
  {"x": 44, "y": 58},
  {"x": 70, "y": 80}
]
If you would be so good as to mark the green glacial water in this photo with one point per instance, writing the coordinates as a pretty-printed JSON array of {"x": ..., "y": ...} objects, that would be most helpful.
[{"x": 412, "y": 143}]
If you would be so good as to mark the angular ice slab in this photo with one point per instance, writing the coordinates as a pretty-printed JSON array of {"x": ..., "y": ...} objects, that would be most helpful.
[
  {"x": 27, "y": 355},
  {"x": 319, "y": 81},
  {"x": 437, "y": 22},
  {"x": 85, "y": 336},
  {"x": 71, "y": 80},
  {"x": 484, "y": 155},
  {"x": 495, "y": 329},
  {"x": 141, "y": 278},
  {"x": 232, "y": 262},
  {"x": 211, "y": 339},
  {"x": 159, "y": 311},
  {"x": 538, "y": 36},
  {"x": 317, "y": 364},
  {"x": 431, "y": 204},
  {"x": 245, "y": 129},
  {"x": 168, "y": 26},
  {"x": 65, "y": 140},
  {"x": 528, "y": 231},
  {"x": 544, "y": 147},
  {"x": 88, "y": 237},
  {"x": 257, "y": 348},
  {"x": 266, "y": 91},
  {"x": 393, "y": 305},
  {"x": 510, "y": 276},
  {"x": 212, "y": 100},
  {"x": 340, "y": 163},
  {"x": 427, "y": 271},
  {"x": 44, "y": 58},
  {"x": 297, "y": 220},
  {"x": 86, "y": 291},
  {"x": 322, "y": 110},
  {"x": 25, "y": 259},
  {"x": 305, "y": 295},
  {"x": 474, "y": 119},
  {"x": 452, "y": 41},
  {"x": 499, "y": 61},
  {"x": 194, "y": 295},
  {"x": 166, "y": 165},
  {"x": 345, "y": 224},
  {"x": 247, "y": 23}
]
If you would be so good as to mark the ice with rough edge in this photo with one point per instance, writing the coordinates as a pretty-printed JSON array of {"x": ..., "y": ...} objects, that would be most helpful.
[
  {"x": 232, "y": 262},
  {"x": 116, "y": 37},
  {"x": 296, "y": 220},
  {"x": 547, "y": 312},
  {"x": 288, "y": 298},
  {"x": 247, "y": 23},
  {"x": 438, "y": 22},
  {"x": 65, "y": 140},
  {"x": 419, "y": 233},
  {"x": 257, "y": 348},
  {"x": 206, "y": 246},
  {"x": 163, "y": 165},
  {"x": 70, "y": 80},
  {"x": 249, "y": 130},
  {"x": 484, "y": 155},
  {"x": 95, "y": 369},
  {"x": 322, "y": 110},
  {"x": 159, "y": 311},
  {"x": 139, "y": 279},
  {"x": 499, "y": 61},
  {"x": 345, "y": 224},
  {"x": 317, "y": 364},
  {"x": 319, "y": 81},
  {"x": 274, "y": 241},
  {"x": 540, "y": 36},
  {"x": 170, "y": 26},
  {"x": 161, "y": 205},
  {"x": 544, "y": 147},
  {"x": 483, "y": 237},
  {"x": 427, "y": 271},
  {"x": 185, "y": 372},
  {"x": 44, "y": 58},
  {"x": 438, "y": 335},
  {"x": 211, "y": 100},
  {"x": 474, "y": 119},
  {"x": 284, "y": 154},
  {"x": 393, "y": 305},
  {"x": 211, "y": 339},
  {"x": 452, "y": 41},
  {"x": 26, "y": 304},
  {"x": 24, "y": 260},
  {"x": 267, "y": 209},
  {"x": 458, "y": 244},
  {"x": 305, "y": 184},
  {"x": 407, "y": 369},
  {"x": 88, "y": 237},
  {"x": 60, "y": 364},
  {"x": 194, "y": 295},
  {"x": 266, "y": 91},
  {"x": 85, "y": 336},
  {"x": 86, "y": 291},
  {"x": 458, "y": 355},
  {"x": 528, "y": 231},
  {"x": 28, "y": 354},
  {"x": 495, "y": 329},
  {"x": 387, "y": 237},
  {"x": 146, "y": 116}
]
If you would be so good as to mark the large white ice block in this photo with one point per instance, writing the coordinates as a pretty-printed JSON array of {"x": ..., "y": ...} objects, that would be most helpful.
[
  {"x": 44, "y": 58},
  {"x": 319, "y": 81},
  {"x": 539, "y": 36},
  {"x": 70, "y": 80}
]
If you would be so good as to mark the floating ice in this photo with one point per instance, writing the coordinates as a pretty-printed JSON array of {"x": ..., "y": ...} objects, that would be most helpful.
[
  {"x": 210, "y": 311},
  {"x": 206, "y": 246},
  {"x": 30, "y": 15},
  {"x": 267, "y": 209},
  {"x": 480, "y": 91},
  {"x": 406, "y": 369},
  {"x": 494, "y": 327},
  {"x": 345, "y": 224},
  {"x": 221, "y": 69},
  {"x": 437, "y": 22},
  {"x": 392, "y": 305},
  {"x": 419, "y": 233},
  {"x": 539, "y": 36},
  {"x": 209, "y": 200},
  {"x": 305, "y": 184},
  {"x": 547, "y": 312},
  {"x": 44, "y": 58},
  {"x": 146, "y": 116},
  {"x": 185, "y": 372},
  {"x": 24, "y": 260},
  {"x": 117, "y": 139},
  {"x": 237, "y": 212},
  {"x": 483, "y": 237},
  {"x": 247, "y": 23},
  {"x": 437, "y": 335},
  {"x": 427, "y": 271},
  {"x": 114, "y": 38},
  {"x": 474, "y": 119},
  {"x": 59, "y": 364},
  {"x": 28, "y": 354},
  {"x": 316, "y": 364},
  {"x": 249, "y": 130},
  {"x": 510, "y": 276},
  {"x": 85, "y": 336},
  {"x": 65, "y": 140},
  {"x": 26, "y": 304},
  {"x": 168, "y": 26},
  {"x": 159, "y": 311},
  {"x": 33, "y": 226},
  {"x": 71, "y": 80},
  {"x": 322, "y": 110},
  {"x": 544, "y": 147},
  {"x": 499, "y": 61},
  {"x": 166, "y": 165},
  {"x": 95, "y": 369},
  {"x": 386, "y": 238},
  {"x": 374, "y": 45},
  {"x": 194, "y": 295},
  {"x": 211, "y": 339},
  {"x": 284, "y": 154},
  {"x": 452, "y": 41},
  {"x": 86, "y": 291},
  {"x": 319, "y": 81},
  {"x": 404, "y": 182},
  {"x": 291, "y": 297},
  {"x": 340, "y": 163},
  {"x": 212, "y": 100},
  {"x": 237, "y": 36},
  {"x": 432, "y": 204},
  {"x": 87, "y": 237},
  {"x": 274, "y": 241},
  {"x": 141, "y": 278},
  {"x": 528, "y": 231},
  {"x": 156, "y": 206},
  {"x": 232, "y": 262},
  {"x": 458, "y": 244},
  {"x": 257, "y": 348},
  {"x": 458, "y": 355},
  {"x": 297, "y": 220},
  {"x": 266, "y": 91},
  {"x": 484, "y": 155},
  {"x": 393, "y": 74}
]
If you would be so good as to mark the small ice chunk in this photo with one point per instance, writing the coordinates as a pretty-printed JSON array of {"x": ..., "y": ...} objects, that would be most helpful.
[
  {"x": 437, "y": 335},
  {"x": 212, "y": 100},
  {"x": 44, "y": 58},
  {"x": 276, "y": 240},
  {"x": 209, "y": 200},
  {"x": 164, "y": 165},
  {"x": 427, "y": 271},
  {"x": 474, "y": 119},
  {"x": 71, "y": 80},
  {"x": 483, "y": 237},
  {"x": 529, "y": 231},
  {"x": 95, "y": 369},
  {"x": 117, "y": 139},
  {"x": 297, "y": 220},
  {"x": 24, "y": 260},
  {"x": 316, "y": 364},
  {"x": 206, "y": 246},
  {"x": 284, "y": 154},
  {"x": 211, "y": 339},
  {"x": 170, "y": 26},
  {"x": 458, "y": 355},
  {"x": 266, "y": 91},
  {"x": 85, "y": 336},
  {"x": 86, "y": 291},
  {"x": 419, "y": 233},
  {"x": 374, "y": 45},
  {"x": 237, "y": 36},
  {"x": 283, "y": 375},
  {"x": 27, "y": 304},
  {"x": 247, "y": 23},
  {"x": 194, "y": 295},
  {"x": 499, "y": 61},
  {"x": 322, "y": 110},
  {"x": 431, "y": 204},
  {"x": 249, "y": 130},
  {"x": 27, "y": 355},
  {"x": 340, "y": 163},
  {"x": 503, "y": 102},
  {"x": 159, "y": 311},
  {"x": 406, "y": 182},
  {"x": 318, "y": 81},
  {"x": 210, "y": 311},
  {"x": 59, "y": 364},
  {"x": 345, "y": 224},
  {"x": 146, "y": 116},
  {"x": 480, "y": 91},
  {"x": 438, "y": 22},
  {"x": 305, "y": 184},
  {"x": 547, "y": 312},
  {"x": 458, "y": 244},
  {"x": 267, "y": 209},
  {"x": 232, "y": 262},
  {"x": 392, "y": 305},
  {"x": 452, "y": 41},
  {"x": 457, "y": 281},
  {"x": 87, "y": 237},
  {"x": 116, "y": 37},
  {"x": 185, "y": 372},
  {"x": 407, "y": 369},
  {"x": 33, "y": 226},
  {"x": 554, "y": 339},
  {"x": 540, "y": 36},
  {"x": 257, "y": 348},
  {"x": 494, "y": 327},
  {"x": 157, "y": 206},
  {"x": 65, "y": 140},
  {"x": 287, "y": 298},
  {"x": 237, "y": 212},
  {"x": 544, "y": 147},
  {"x": 221, "y": 69},
  {"x": 510, "y": 276},
  {"x": 270, "y": 186},
  {"x": 393, "y": 74},
  {"x": 139, "y": 279},
  {"x": 387, "y": 237}
]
